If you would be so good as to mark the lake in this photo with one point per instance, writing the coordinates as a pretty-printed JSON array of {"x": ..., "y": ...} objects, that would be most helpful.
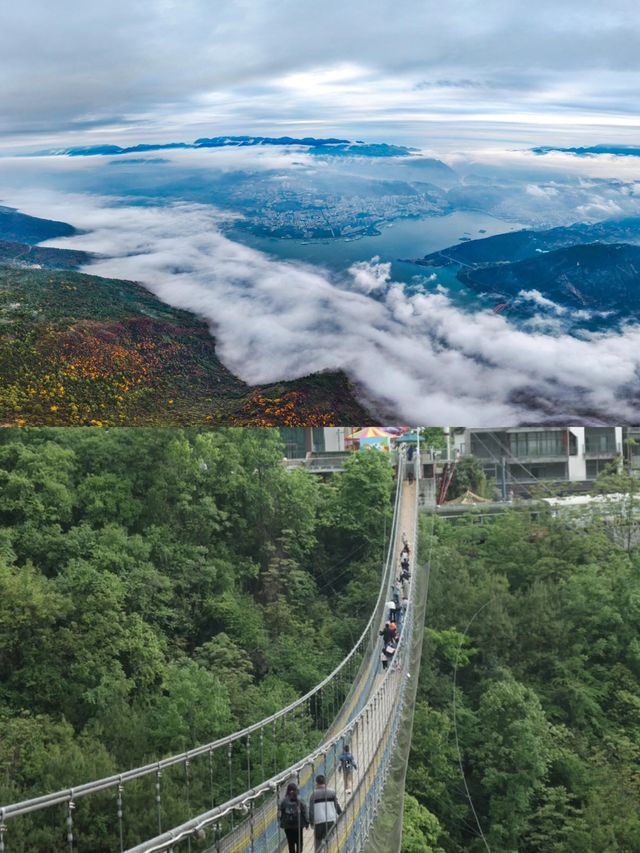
[{"x": 406, "y": 238}]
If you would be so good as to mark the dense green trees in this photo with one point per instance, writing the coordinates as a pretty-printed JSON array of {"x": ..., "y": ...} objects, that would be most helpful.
[
  {"x": 533, "y": 626},
  {"x": 469, "y": 476},
  {"x": 159, "y": 588}
]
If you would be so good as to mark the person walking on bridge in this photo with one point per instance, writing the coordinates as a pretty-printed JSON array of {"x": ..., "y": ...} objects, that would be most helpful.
[
  {"x": 293, "y": 818},
  {"x": 324, "y": 809},
  {"x": 347, "y": 765},
  {"x": 397, "y": 591},
  {"x": 393, "y": 609},
  {"x": 387, "y": 633},
  {"x": 405, "y": 595}
]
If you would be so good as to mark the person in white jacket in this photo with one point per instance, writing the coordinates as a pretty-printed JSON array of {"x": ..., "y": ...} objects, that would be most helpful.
[{"x": 324, "y": 809}]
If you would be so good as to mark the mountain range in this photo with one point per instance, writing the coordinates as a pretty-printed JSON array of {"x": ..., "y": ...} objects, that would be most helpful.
[
  {"x": 583, "y": 266},
  {"x": 619, "y": 150},
  {"x": 82, "y": 349},
  {"x": 518, "y": 245},
  {"x": 331, "y": 146},
  {"x": 30, "y": 229},
  {"x": 601, "y": 277}
]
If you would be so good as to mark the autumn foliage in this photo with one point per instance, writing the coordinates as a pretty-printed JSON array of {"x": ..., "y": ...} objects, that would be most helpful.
[{"x": 81, "y": 350}]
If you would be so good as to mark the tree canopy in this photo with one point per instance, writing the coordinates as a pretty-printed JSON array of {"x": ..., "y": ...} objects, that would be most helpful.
[
  {"x": 161, "y": 588},
  {"x": 533, "y": 626}
]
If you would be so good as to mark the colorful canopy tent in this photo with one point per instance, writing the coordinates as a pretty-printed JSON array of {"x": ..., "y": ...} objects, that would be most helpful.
[
  {"x": 368, "y": 432},
  {"x": 368, "y": 437},
  {"x": 468, "y": 497}
]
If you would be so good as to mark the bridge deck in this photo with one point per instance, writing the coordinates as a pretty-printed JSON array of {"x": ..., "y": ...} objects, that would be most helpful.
[
  {"x": 362, "y": 747},
  {"x": 266, "y": 838}
]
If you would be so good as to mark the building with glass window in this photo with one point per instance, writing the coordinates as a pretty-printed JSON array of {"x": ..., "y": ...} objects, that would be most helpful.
[
  {"x": 518, "y": 457},
  {"x": 300, "y": 441}
]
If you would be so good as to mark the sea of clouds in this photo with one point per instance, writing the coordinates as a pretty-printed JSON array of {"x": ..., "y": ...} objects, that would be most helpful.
[{"x": 414, "y": 354}]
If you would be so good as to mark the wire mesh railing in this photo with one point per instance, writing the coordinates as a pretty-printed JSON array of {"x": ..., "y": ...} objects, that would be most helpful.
[
  {"x": 372, "y": 732},
  {"x": 216, "y": 772}
]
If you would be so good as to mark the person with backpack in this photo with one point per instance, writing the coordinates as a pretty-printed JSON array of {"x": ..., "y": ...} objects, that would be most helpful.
[
  {"x": 293, "y": 818},
  {"x": 324, "y": 809},
  {"x": 390, "y": 650},
  {"x": 387, "y": 633},
  {"x": 391, "y": 604},
  {"x": 347, "y": 765}
]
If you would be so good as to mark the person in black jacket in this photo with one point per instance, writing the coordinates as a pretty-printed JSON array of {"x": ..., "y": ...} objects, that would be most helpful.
[
  {"x": 293, "y": 818},
  {"x": 387, "y": 633},
  {"x": 324, "y": 809}
]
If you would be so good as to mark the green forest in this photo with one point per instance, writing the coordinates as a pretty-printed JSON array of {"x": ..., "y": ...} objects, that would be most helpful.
[
  {"x": 159, "y": 589},
  {"x": 527, "y": 728}
]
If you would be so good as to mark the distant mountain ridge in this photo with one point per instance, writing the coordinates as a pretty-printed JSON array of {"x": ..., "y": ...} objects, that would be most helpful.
[
  {"x": 330, "y": 145},
  {"x": 599, "y": 277},
  {"x": 526, "y": 243},
  {"x": 593, "y": 267},
  {"x": 19, "y": 234},
  {"x": 21, "y": 228},
  {"x": 619, "y": 150}
]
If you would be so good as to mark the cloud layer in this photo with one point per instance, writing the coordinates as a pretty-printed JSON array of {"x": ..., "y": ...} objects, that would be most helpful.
[
  {"x": 417, "y": 355},
  {"x": 117, "y": 69}
]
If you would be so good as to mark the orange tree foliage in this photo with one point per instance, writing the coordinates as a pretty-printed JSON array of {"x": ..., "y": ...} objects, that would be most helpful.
[{"x": 81, "y": 350}]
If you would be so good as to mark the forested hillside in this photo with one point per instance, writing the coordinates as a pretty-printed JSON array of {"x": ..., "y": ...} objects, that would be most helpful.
[
  {"x": 81, "y": 350},
  {"x": 160, "y": 588},
  {"x": 532, "y": 664}
]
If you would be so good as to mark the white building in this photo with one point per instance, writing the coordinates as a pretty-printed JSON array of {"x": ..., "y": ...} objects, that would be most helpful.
[{"x": 519, "y": 457}]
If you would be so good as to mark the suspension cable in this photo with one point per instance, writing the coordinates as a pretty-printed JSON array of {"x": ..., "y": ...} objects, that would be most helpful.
[
  {"x": 156, "y": 767},
  {"x": 188, "y": 829}
]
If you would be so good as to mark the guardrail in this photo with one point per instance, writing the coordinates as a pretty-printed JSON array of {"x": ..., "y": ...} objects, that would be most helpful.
[
  {"x": 225, "y": 752},
  {"x": 373, "y": 731}
]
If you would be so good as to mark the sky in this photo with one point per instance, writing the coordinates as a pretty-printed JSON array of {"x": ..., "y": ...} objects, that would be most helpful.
[{"x": 432, "y": 74}]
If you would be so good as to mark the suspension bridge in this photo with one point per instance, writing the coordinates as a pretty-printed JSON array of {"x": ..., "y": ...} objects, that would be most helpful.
[{"x": 231, "y": 788}]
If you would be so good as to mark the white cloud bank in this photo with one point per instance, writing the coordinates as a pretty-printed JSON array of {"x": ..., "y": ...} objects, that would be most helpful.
[
  {"x": 537, "y": 297},
  {"x": 418, "y": 355}
]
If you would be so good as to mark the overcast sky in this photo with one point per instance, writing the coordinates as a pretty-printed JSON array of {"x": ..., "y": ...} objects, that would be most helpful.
[{"x": 424, "y": 71}]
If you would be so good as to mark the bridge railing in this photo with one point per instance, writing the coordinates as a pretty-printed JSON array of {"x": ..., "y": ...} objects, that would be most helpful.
[
  {"x": 242, "y": 758},
  {"x": 376, "y": 724},
  {"x": 371, "y": 731},
  {"x": 260, "y": 831}
]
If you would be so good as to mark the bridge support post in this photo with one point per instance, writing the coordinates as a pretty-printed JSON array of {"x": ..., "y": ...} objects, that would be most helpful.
[{"x": 120, "y": 816}]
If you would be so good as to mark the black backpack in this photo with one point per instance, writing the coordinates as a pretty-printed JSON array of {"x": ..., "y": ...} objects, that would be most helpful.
[{"x": 290, "y": 813}]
